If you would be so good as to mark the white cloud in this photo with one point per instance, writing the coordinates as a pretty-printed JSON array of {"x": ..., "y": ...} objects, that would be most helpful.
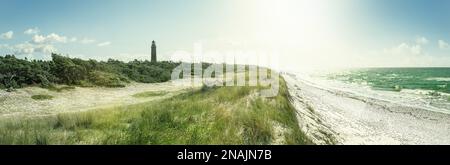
[
  {"x": 51, "y": 38},
  {"x": 3, "y": 46},
  {"x": 73, "y": 39},
  {"x": 32, "y": 31},
  {"x": 104, "y": 44},
  {"x": 29, "y": 48},
  {"x": 38, "y": 39},
  {"x": 421, "y": 40},
  {"x": 404, "y": 55},
  {"x": 47, "y": 49},
  {"x": 443, "y": 44},
  {"x": 7, "y": 35},
  {"x": 25, "y": 48},
  {"x": 40, "y": 43},
  {"x": 405, "y": 49},
  {"x": 133, "y": 56},
  {"x": 56, "y": 38},
  {"x": 87, "y": 41}
]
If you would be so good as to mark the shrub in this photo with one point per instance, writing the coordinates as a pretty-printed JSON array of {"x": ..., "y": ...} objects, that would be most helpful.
[
  {"x": 434, "y": 93},
  {"x": 15, "y": 73},
  {"x": 60, "y": 89},
  {"x": 397, "y": 88},
  {"x": 100, "y": 78},
  {"x": 149, "y": 94},
  {"x": 44, "y": 81},
  {"x": 41, "y": 97},
  {"x": 74, "y": 120}
]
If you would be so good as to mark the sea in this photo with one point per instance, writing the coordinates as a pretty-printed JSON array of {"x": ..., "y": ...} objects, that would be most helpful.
[{"x": 427, "y": 88}]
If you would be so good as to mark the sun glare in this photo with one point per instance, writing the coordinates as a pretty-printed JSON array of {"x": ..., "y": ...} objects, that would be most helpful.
[{"x": 304, "y": 29}]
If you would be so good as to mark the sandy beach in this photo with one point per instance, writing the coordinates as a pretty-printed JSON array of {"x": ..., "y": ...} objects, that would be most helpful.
[{"x": 343, "y": 117}]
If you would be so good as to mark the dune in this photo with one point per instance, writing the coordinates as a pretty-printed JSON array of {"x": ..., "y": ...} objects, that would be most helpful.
[{"x": 20, "y": 102}]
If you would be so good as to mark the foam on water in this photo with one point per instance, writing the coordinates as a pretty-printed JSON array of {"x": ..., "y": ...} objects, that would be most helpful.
[
  {"x": 419, "y": 98},
  {"x": 438, "y": 79}
]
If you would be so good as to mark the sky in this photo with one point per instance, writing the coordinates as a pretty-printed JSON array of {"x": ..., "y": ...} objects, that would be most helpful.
[{"x": 296, "y": 34}]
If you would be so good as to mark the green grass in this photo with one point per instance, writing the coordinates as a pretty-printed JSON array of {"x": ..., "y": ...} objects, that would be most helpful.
[
  {"x": 210, "y": 115},
  {"x": 329, "y": 138},
  {"x": 106, "y": 79},
  {"x": 61, "y": 88},
  {"x": 149, "y": 94},
  {"x": 310, "y": 108},
  {"x": 397, "y": 88},
  {"x": 41, "y": 97},
  {"x": 434, "y": 93}
]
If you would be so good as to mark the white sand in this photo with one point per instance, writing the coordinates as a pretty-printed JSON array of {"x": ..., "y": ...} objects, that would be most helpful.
[
  {"x": 355, "y": 119},
  {"x": 79, "y": 99}
]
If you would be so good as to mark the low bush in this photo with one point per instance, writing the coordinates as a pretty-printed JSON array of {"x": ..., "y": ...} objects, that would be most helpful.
[{"x": 41, "y": 97}]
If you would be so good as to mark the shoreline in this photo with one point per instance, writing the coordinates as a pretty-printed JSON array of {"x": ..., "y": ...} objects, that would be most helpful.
[{"x": 348, "y": 118}]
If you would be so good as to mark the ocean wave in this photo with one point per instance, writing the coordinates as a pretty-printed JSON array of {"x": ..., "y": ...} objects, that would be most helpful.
[
  {"x": 438, "y": 79},
  {"x": 428, "y": 99}
]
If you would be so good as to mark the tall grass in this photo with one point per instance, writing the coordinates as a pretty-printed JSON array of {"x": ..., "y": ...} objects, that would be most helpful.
[
  {"x": 149, "y": 94},
  {"x": 60, "y": 88},
  {"x": 210, "y": 115},
  {"x": 42, "y": 97}
]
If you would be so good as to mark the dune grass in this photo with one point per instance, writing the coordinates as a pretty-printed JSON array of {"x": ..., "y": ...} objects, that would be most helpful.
[
  {"x": 60, "y": 88},
  {"x": 210, "y": 115},
  {"x": 41, "y": 97},
  {"x": 149, "y": 94}
]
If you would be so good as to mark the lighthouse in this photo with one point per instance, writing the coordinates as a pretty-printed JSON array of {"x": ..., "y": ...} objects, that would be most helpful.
[{"x": 153, "y": 51}]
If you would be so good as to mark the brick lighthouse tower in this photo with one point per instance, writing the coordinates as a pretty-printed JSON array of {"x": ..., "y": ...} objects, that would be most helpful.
[{"x": 153, "y": 51}]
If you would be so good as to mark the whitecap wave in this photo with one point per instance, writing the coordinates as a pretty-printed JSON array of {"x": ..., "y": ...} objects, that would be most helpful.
[{"x": 438, "y": 79}]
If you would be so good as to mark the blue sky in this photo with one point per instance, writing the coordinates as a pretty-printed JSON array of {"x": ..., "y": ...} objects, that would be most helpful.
[{"x": 310, "y": 33}]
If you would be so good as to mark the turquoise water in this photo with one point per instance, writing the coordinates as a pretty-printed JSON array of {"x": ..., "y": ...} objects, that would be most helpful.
[{"x": 437, "y": 80}]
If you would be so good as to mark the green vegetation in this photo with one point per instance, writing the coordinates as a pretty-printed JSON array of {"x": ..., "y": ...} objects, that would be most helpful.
[
  {"x": 149, "y": 94},
  {"x": 61, "y": 88},
  {"x": 16, "y": 73},
  {"x": 41, "y": 97},
  {"x": 434, "y": 93},
  {"x": 329, "y": 138},
  {"x": 210, "y": 115},
  {"x": 397, "y": 88},
  {"x": 310, "y": 108}
]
